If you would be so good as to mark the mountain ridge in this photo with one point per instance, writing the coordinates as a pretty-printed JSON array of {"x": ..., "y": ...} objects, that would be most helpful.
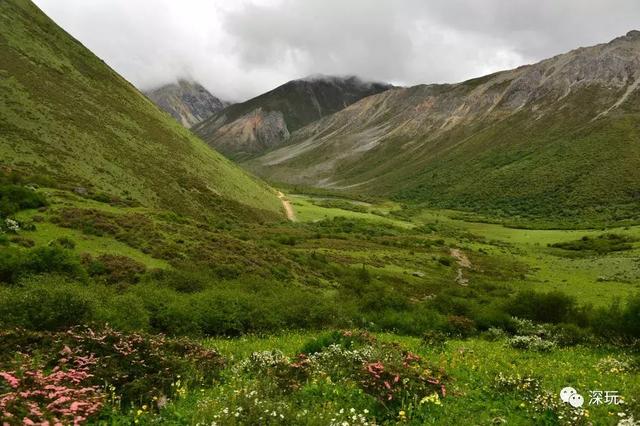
[
  {"x": 262, "y": 123},
  {"x": 500, "y": 142}
]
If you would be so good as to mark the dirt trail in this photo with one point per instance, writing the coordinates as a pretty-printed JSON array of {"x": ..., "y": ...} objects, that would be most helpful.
[
  {"x": 288, "y": 208},
  {"x": 463, "y": 262}
]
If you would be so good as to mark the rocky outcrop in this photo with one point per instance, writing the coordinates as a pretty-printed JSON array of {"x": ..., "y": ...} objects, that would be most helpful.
[
  {"x": 188, "y": 102},
  {"x": 255, "y": 132}
]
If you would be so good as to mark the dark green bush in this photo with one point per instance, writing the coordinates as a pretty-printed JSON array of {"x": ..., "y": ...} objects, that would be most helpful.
[
  {"x": 14, "y": 198},
  {"x": 570, "y": 334},
  {"x": 15, "y": 263},
  {"x": 631, "y": 317},
  {"x": 46, "y": 303},
  {"x": 602, "y": 244},
  {"x": 553, "y": 307}
]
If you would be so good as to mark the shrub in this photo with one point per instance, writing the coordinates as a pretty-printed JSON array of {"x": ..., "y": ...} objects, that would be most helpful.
[
  {"x": 14, "y": 198},
  {"x": 631, "y": 317},
  {"x": 115, "y": 269},
  {"x": 459, "y": 326},
  {"x": 53, "y": 259},
  {"x": 570, "y": 335},
  {"x": 124, "y": 312},
  {"x": 493, "y": 334},
  {"x": 533, "y": 343},
  {"x": 344, "y": 339},
  {"x": 434, "y": 338},
  {"x": 64, "y": 242},
  {"x": 60, "y": 396},
  {"x": 552, "y": 307},
  {"x": 136, "y": 367},
  {"x": 286, "y": 375},
  {"x": 183, "y": 280},
  {"x": 602, "y": 244},
  {"x": 46, "y": 303},
  {"x": 23, "y": 241},
  {"x": 618, "y": 320}
]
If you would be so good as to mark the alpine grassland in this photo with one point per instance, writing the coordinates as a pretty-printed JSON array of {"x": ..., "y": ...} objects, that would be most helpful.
[
  {"x": 145, "y": 279},
  {"x": 393, "y": 315}
]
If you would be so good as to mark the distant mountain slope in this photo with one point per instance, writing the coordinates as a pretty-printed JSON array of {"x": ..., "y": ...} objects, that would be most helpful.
[
  {"x": 186, "y": 101},
  {"x": 249, "y": 128},
  {"x": 559, "y": 137},
  {"x": 67, "y": 116}
]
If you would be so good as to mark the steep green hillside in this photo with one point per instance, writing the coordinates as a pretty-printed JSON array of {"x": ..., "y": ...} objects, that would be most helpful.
[
  {"x": 266, "y": 121},
  {"x": 559, "y": 138},
  {"x": 67, "y": 117}
]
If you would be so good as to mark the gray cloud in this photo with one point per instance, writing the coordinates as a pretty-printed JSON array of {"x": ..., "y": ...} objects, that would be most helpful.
[{"x": 240, "y": 48}]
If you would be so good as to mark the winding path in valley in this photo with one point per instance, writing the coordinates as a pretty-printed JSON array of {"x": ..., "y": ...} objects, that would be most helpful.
[
  {"x": 288, "y": 208},
  {"x": 463, "y": 263}
]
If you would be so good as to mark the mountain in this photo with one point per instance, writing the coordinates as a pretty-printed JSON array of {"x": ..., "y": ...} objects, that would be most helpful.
[
  {"x": 186, "y": 101},
  {"x": 68, "y": 118},
  {"x": 558, "y": 137},
  {"x": 250, "y": 128}
]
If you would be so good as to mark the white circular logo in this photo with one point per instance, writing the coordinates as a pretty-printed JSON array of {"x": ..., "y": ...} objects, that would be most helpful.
[
  {"x": 576, "y": 400},
  {"x": 566, "y": 393}
]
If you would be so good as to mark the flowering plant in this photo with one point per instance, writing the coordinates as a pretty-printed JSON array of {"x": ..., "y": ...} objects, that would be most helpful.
[{"x": 62, "y": 396}]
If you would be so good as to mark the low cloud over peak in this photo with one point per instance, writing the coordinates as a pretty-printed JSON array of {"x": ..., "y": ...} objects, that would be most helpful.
[{"x": 241, "y": 48}]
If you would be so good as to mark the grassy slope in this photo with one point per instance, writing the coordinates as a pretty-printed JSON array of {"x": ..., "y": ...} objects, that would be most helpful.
[
  {"x": 64, "y": 114},
  {"x": 560, "y": 166},
  {"x": 564, "y": 165}
]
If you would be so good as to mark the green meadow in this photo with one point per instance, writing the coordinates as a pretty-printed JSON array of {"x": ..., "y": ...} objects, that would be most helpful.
[{"x": 359, "y": 312}]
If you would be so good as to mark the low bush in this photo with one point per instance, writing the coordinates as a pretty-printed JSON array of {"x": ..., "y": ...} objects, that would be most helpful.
[
  {"x": 64, "y": 242},
  {"x": 46, "y": 303},
  {"x": 602, "y": 244},
  {"x": 553, "y": 307},
  {"x": 14, "y": 198},
  {"x": 534, "y": 343},
  {"x": 23, "y": 241},
  {"x": 460, "y": 326},
  {"x": 115, "y": 269},
  {"x": 140, "y": 369}
]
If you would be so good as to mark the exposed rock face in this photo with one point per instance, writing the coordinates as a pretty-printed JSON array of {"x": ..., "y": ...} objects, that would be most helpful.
[
  {"x": 252, "y": 133},
  {"x": 489, "y": 137},
  {"x": 297, "y": 102},
  {"x": 187, "y": 102}
]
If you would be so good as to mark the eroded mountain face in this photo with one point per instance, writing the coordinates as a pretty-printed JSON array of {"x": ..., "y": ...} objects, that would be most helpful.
[
  {"x": 188, "y": 102},
  {"x": 564, "y": 130},
  {"x": 253, "y": 127}
]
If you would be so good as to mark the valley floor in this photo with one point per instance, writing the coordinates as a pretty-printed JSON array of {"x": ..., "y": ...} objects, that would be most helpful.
[{"x": 425, "y": 299}]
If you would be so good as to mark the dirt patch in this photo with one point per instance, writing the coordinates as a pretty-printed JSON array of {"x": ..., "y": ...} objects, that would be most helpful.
[{"x": 288, "y": 208}]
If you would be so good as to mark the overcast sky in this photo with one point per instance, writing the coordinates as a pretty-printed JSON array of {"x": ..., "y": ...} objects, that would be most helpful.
[{"x": 241, "y": 48}]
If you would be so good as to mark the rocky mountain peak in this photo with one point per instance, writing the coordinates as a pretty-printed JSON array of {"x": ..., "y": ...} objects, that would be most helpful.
[
  {"x": 186, "y": 101},
  {"x": 635, "y": 34}
]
